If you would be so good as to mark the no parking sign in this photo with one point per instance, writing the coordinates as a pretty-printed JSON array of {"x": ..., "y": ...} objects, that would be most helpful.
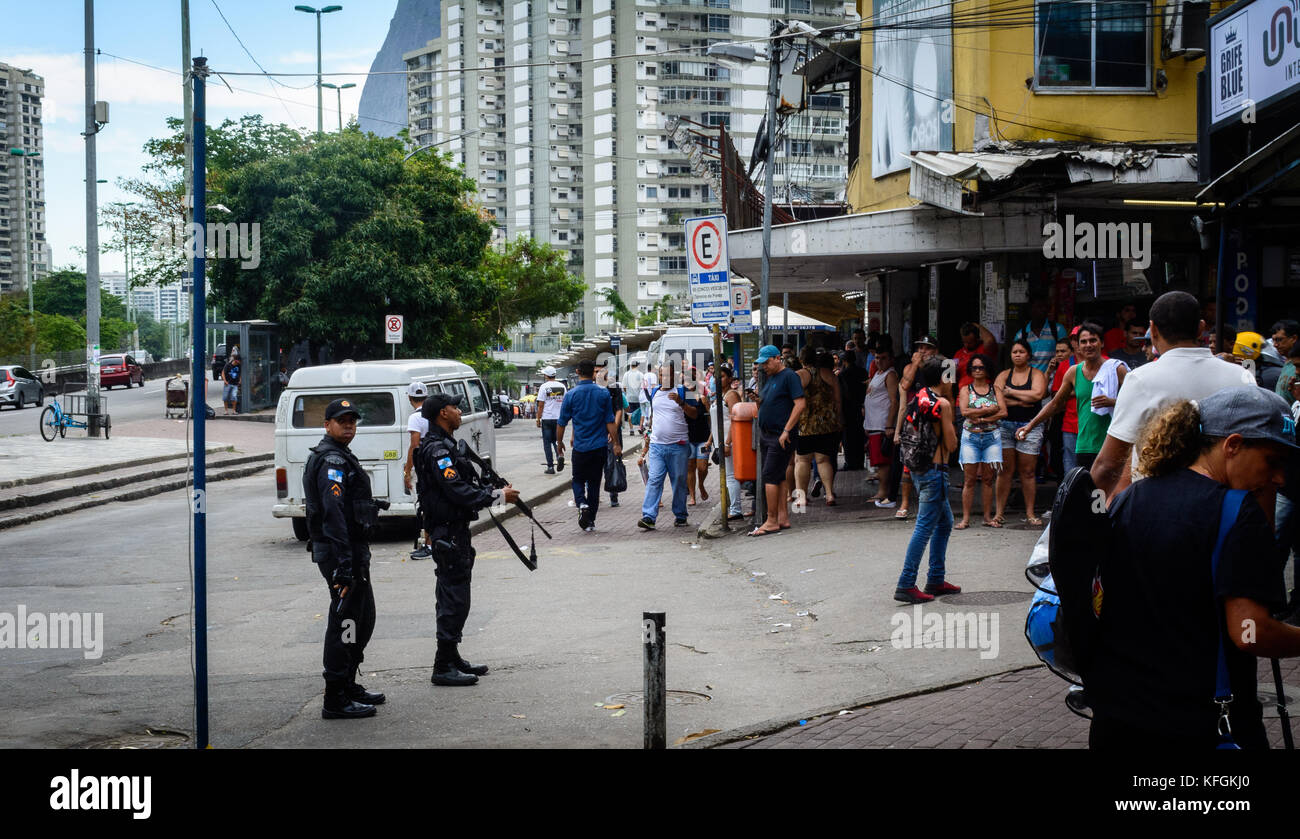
[
  {"x": 708, "y": 268},
  {"x": 393, "y": 325}
]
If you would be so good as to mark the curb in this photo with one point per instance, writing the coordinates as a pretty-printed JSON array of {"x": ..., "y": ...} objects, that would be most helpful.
[
  {"x": 125, "y": 480},
  {"x": 133, "y": 495},
  {"x": 94, "y": 470},
  {"x": 545, "y": 495},
  {"x": 244, "y": 418},
  {"x": 778, "y": 724}
]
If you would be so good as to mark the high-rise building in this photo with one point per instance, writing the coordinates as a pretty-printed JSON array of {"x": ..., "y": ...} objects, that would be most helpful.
[
  {"x": 577, "y": 151},
  {"x": 24, "y": 253},
  {"x": 167, "y": 304}
]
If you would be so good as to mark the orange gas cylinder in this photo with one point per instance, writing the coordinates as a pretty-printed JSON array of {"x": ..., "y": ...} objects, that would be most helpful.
[{"x": 742, "y": 439}]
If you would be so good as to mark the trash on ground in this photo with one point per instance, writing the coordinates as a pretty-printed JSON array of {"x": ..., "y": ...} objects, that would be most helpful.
[
  {"x": 613, "y": 707},
  {"x": 782, "y": 624},
  {"x": 776, "y": 596},
  {"x": 759, "y": 573},
  {"x": 619, "y": 713},
  {"x": 518, "y": 717},
  {"x": 695, "y": 735},
  {"x": 842, "y": 713},
  {"x": 803, "y": 722},
  {"x": 807, "y": 570},
  {"x": 802, "y": 614}
]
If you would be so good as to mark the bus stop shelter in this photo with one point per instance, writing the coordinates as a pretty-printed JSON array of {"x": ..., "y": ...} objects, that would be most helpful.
[{"x": 259, "y": 353}]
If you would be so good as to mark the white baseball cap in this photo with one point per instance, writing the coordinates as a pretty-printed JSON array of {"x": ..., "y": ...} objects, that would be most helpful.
[
  {"x": 548, "y": 370},
  {"x": 417, "y": 390}
]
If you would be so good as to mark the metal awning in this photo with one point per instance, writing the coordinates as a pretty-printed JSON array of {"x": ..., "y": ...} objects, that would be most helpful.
[
  {"x": 1246, "y": 180},
  {"x": 836, "y": 254},
  {"x": 836, "y": 64}
]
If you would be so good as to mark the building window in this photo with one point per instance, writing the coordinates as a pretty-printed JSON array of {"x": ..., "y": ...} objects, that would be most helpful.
[
  {"x": 652, "y": 192},
  {"x": 1092, "y": 45},
  {"x": 672, "y": 265}
]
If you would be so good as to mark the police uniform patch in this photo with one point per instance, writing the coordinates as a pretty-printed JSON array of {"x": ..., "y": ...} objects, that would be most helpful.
[
  {"x": 335, "y": 491},
  {"x": 449, "y": 473},
  {"x": 443, "y": 463},
  {"x": 335, "y": 475}
]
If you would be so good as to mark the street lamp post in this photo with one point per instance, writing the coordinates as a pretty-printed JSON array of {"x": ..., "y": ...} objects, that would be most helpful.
[
  {"x": 339, "y": 88},
  {"x": 320, "y": 93}
]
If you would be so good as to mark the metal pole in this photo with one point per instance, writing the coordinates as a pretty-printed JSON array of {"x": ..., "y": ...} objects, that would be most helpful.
[
  {"x": 199, "y": 497},
  {"x": 656, "y": 681},
  {"x": 320, "y": 91},
  {"x": 339, "y": 91},
  {"x": 92, "y": 236},
  {"x": 721, "y": 406},
  {"x": 24, "y": 264},
  {"x": 773, "y": 86},
  {"x": 1221, "y": 282},
  {"x": 187, "y": 211}
]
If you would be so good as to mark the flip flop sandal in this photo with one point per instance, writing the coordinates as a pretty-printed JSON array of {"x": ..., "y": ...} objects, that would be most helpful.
[
  {"x": 1035, "y": 521},
  {"x": 960, "y": 526},
  {"x": 993, "y": 523},
  {"x": 758, "y": 531},
  {"x": 901, "y": 514}
]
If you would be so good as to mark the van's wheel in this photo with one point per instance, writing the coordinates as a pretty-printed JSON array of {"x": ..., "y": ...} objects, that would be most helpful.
[{"x": 300, "y": 529}]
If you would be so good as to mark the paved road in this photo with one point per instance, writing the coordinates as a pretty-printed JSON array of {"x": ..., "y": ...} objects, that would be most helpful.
[{"x": 758, "y": 629}]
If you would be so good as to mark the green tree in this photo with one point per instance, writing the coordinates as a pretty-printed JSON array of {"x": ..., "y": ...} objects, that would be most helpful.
[
  {"x": 16, "y": 329},
  {"x": 531, "y": 281},
  {"x": 620, "y": 313},
  {"x": 153, "y": 221},
  {"x": 58, "y": 333},
  {"x": 153, "y": 335},
  {"x": 349, "y": 233}
]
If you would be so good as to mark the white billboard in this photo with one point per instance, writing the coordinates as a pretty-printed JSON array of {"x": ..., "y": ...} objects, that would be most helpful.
[
  {"x": 1254, "y": 57},
  {"x": 911, "y": 85}
]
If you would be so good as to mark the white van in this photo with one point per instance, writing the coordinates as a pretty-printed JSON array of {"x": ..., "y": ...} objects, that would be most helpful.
[
  {"x": 685, "y": 346},
  {"x": 378, "y": 389}
]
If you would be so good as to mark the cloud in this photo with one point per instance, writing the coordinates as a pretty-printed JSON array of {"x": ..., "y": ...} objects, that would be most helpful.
[{"x": 328, "y": 57}]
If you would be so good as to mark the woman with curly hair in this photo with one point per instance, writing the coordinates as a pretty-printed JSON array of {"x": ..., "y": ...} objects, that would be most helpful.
[{"x": 1165, "y": 613}]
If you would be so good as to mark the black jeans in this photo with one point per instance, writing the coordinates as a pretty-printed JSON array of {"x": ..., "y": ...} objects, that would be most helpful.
[
  {"x": 455, "y": 572},
  {"x": 588, "y": 471},
  {"x": 351, "y": 619}
]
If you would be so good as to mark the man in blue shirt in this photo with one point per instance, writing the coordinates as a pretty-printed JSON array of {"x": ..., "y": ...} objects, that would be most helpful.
[
  {"x": 592, "y": 413},
  {"x": 780, "y": 405},
  {"x": 1043, "y": 337}
]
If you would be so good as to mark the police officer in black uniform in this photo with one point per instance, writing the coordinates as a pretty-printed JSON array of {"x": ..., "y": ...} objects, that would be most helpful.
[
  {"x": 340, "y": 511},
  {"x": 451, "y": 494}
]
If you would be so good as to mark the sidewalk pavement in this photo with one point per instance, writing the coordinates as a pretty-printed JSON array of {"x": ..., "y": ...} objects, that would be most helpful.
[
  {"x": 28, "y": 459},
  {"x": 1023, "y": 709}
]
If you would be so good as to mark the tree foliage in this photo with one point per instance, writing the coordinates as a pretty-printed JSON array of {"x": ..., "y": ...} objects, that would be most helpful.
[
  {"x": 58, "y": 333},
  {"x": 351, "y": 233},
  {"x": 531, "y": 281},
  {"x": 16, "y": 329}
]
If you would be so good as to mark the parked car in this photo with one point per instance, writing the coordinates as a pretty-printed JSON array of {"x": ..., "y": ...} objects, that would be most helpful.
[
  {"x": 218, "y": 363},
  {"x": 18, "y": 387},
  {"x": 120, "y": 369}
]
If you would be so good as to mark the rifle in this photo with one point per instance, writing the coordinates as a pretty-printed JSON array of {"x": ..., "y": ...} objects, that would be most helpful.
[{"x": 493, "y": 479}]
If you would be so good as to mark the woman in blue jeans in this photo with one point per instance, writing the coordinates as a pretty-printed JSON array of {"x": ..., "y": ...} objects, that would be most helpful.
[{"x": 933, "y": 515}]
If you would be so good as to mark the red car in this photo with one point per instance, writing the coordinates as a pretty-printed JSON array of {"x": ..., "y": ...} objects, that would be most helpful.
[{"x": 119, "y": 370}]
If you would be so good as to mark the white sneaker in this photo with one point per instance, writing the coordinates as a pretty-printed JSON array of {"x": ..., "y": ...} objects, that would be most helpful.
[{"x": 886, "y": 504}]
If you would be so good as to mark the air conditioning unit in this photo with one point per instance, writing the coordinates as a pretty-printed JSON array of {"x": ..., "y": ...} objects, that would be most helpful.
[{"x": 1185, "y": 28}]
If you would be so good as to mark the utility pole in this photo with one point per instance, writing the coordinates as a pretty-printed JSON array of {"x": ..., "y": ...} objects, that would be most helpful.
[
  {"x": 187, "y": 211},
  {"x": 198, "y": 405},
  {"x": 92, "y": 235}
]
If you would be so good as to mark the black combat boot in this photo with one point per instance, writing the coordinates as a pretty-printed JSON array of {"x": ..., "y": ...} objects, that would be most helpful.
[
  {"x": 445, "y": 671},
  {"x": 357, "y": 693},
  {"x": 465, "y": 667},
  {"x": 339, "y": 707}
]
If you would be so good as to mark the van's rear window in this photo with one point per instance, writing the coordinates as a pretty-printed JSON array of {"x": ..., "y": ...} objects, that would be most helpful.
[{"x": 376, "y": 409}]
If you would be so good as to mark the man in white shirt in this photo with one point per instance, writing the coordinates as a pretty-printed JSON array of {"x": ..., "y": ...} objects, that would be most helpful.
[
  {"x": 551, "y": 396},
  {"x": 416, "y": 426},
  {"x": 632, "y": 380},
  {"x": 1182, "y": 370}
]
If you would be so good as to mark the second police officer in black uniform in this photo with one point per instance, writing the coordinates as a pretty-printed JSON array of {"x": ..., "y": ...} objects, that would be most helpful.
[
  {"x": 340, "y": 514},
  {"x": 451, "y": 495}
]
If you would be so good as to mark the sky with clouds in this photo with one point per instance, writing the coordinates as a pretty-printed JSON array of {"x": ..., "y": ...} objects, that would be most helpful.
[{"x": 48, "y": 39}]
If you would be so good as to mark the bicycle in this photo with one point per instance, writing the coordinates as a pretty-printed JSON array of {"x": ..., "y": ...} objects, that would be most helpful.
[{"x": 55, "y": 421}]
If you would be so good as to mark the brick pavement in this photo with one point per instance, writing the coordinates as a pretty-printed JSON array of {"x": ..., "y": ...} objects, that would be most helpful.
[{"x": 1024, "y": 709}]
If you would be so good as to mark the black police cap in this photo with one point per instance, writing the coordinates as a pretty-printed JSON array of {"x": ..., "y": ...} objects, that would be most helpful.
[
  {"x": 339, "y": 407},
  {"x": 435, "y": 403}
]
